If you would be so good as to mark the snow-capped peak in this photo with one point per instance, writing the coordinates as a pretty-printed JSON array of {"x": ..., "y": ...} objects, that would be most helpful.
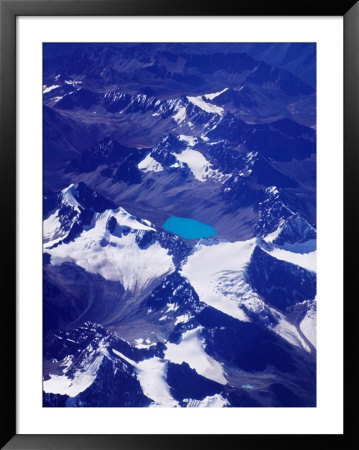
[
  {"x": 122, "y": 217},
  {"x": 69, "y": 197},
  {"x": 109, "y": 247},
  {"x": 149, "y": 164}
]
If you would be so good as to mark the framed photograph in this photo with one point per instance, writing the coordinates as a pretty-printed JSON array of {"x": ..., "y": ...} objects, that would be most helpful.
[{"x": 173, "y": 183}]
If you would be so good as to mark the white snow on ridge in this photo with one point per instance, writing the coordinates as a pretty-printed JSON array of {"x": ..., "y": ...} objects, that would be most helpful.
[
  {"x": 115, "y": 257},
  {"x": 190, "y": 350},
  {"x": 211, "y": 401},
  {"x": 57, "y": 99},
  {"x": 217, "y": 274},
  {"x": 208, "y": 107},
  {"x": 215, "y": 94},
  {"x": 190, "y": 140},
  {"x": 151, "y": 374},
  {"x": 273, "y": 236},
  {"x": 52, "y": 228},
  {"x": 197, "y": 163},
  {"x": 68, "y": 197},
  {"x": 61, "y": 384},
  {"x": 145, "y": 345},
  {"x": 288, "y": 331},
  {"x": 121, "y": 355},
  {"x": 199, "y": 166},
  {"x": 177, "y": 164},
  {"x": 272, "y": 191},
  {"x": 66, "y": 363},
  {"x": 124, "y": 218},
  {"x": 306, "y": 260},
  {"x": 234, "y": 286},
  {"x": 46, "y": 89},
  {"x": 308, "y": 325},
  {"x": 149, "y": 164},
  {"x": 180, "y": 115},
  {"x": 184, "y": 318},
  {"x": 53, "y": 231},
  {"x": 205, "y": 269},
  {"x": 73, "y": 82}
]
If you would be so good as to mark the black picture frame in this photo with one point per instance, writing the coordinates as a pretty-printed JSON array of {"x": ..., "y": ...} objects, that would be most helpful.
[{"x": 9, "y": 10}]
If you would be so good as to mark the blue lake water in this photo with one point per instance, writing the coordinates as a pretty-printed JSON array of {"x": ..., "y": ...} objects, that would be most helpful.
[{"x": 188, "y": 228}]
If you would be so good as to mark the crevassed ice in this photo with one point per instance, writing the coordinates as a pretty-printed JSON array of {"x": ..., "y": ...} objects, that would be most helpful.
[
  {"x": 205, "y": 269},
  {"x": 211, "y": 401},
  {"x": 116, "y": 257},
  {"x": 199, "y": 166}
]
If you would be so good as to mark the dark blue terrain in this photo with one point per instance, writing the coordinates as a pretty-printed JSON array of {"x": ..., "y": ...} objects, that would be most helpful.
[{"x": 179, "y": 211}]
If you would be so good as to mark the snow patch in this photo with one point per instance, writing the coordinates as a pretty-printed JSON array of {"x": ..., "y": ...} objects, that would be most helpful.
[
  {"x": 306, "y": 260},
  {"x": 184, "y": 318},
  {"x": 180, "y": 115},
  {"x": 151, "y": 374},
  {"x": 121, "y": 355},
  {"x": 272, "y": 190},
  {"x": 288, "y": 331},
  {"x": 55, "y": 231},
  {"x": 215, "y": 94},
  {"x": 150, "y": 165},
  {"x": 73, "y": 82},
  {"x": 61, "y": 384},
  {"x": 199, "y": 166},
  {"x": 190, "y": 140},
  {"x": 177, "y": 165},
  {"x": 208, "y": 107},
  {"x": 68, "y": 197},
  {"x": 116, "y": 257},
  {"x": 308, "y": 325},
  {"x": 191, "y": 351},
  {"x": 206, "y": 267},
  {"x": 52, "y": 229},
  {"x": 47, "y": 89},
  {"x": 57, "y": 99},
  {"x": 212, "y": 401},
  {"x": 172, "y": 307},
  {"x": 273, "y": 236}
]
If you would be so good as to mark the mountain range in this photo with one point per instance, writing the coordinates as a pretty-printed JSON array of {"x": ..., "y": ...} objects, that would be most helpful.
[{"x": 136, "y": 314}]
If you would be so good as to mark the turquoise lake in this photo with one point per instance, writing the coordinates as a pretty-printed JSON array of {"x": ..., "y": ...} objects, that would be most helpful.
[{"x": 188, "y": 228}]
